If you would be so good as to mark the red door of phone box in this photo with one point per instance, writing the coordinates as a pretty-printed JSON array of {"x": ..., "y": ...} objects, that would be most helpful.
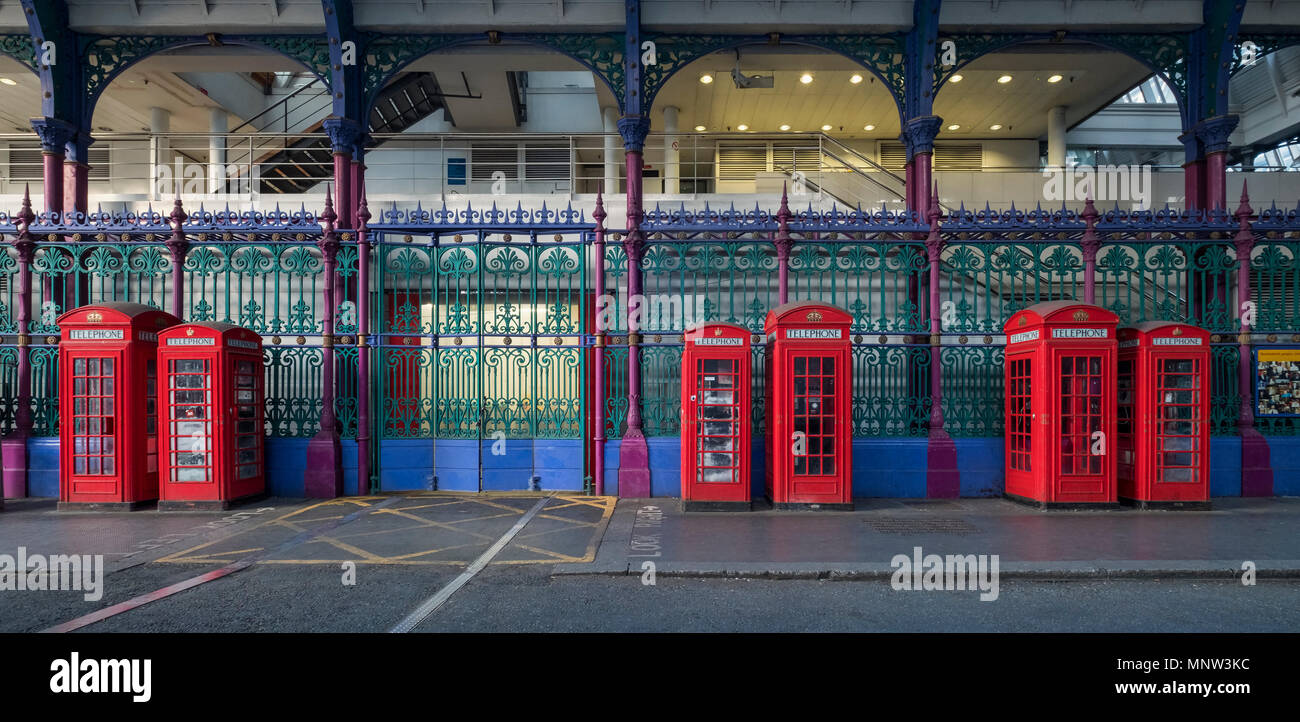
[
  {"x": 1060, "y": 405},
  {"x": 108, "y": 435},
  {"x": 809, "y": 432},
  {"x": 1164, "y": 415},
  {"x": 212, "y": 432},
  {"x": 716, "y": 414}
]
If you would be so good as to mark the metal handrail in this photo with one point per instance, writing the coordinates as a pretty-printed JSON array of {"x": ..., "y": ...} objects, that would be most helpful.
[{"x": 281, "y": 102}]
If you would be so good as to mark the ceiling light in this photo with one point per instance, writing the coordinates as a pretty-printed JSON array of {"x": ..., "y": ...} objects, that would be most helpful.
[
  {"x": 826, "y": 127},
  {"x": 1004, "y": 79},
  {"x": 868, "y": 127},
  {"x": 1054, "y": 79},
  {"x": 699, "y": 129},
  {"x": 806, "y": 78},
  {"x": 955, "y": 79},
  {"x": 995, "y": 126},
  {"x": 785, "y": 127},
  {"x": 742, "y": 126},
  {"x": 954, "y": 126},
  {"x": 8, "y": 81},
  {"x": 855, "y": 78},
  {"x": 706, "y": 78}
]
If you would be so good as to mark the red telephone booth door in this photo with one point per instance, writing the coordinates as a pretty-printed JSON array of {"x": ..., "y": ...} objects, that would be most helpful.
[
  {"x": 1020, "y": 415},
  {"x": 1180, "y": 454},
  {"x": 817, "y": 407},
  {"x": 96, "y": 433},
  {"x": 716, "y": 465},
  {"x": 190, "y": 416},
  {"x": 1079, "y": 411}
]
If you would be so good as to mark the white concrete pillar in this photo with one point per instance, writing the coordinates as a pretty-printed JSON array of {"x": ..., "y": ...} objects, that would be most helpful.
[
  {"x": 218, "y": 126},
  {"x": 613, "y": 144},
  {"x": 167, "y": 183},
  {"x": 672, "y": 154},
  {"x": 1056, "y": 136}
]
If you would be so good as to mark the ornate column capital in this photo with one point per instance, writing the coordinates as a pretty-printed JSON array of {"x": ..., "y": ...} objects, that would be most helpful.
[
  {"x": 344, "y": 133},
  {"x": 1214, "y": 132},
  {"x": 634, "y": 129},
  {"x": 919, "y": 134},
  {"x": 54, "y": 134}
]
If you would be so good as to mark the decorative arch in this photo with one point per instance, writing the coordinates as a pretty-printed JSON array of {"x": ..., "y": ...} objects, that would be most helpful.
[
  {"x": 387, "y": 55},
  {"x": 1165, "y": 55},
  {"x": 881, "y": 55},
  {"x": 20, "y": 48},
  {"x": 104, "y": 57}
]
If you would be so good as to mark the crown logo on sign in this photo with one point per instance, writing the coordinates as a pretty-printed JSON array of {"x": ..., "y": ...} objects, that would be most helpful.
[
  {"x": 1178, "y": 331},
  {"x": 814, "y": 316},
  {"x": 717, "y": 332},
  {"x": 1022, "y": 321},
  {"x": 94, "y": 317},
  {"x": 189, "y": 332},
  {"x": 1080, "y": 315}
]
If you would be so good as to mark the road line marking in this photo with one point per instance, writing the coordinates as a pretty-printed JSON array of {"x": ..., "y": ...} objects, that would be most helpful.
[
  {"x": 167, "y": 591},
  {"x": 431, "y": 604}
]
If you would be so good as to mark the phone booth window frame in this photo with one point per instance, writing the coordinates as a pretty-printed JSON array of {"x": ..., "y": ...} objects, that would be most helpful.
[
  {"x": 1144, "y": 351},
  {"x": 715, "y": 343},
  {"x": 117, "y": 469},
  {"x": 224, "y": 363},
  {"x": 803, "y": 331},
  {"x": 1059, "y": 390}
]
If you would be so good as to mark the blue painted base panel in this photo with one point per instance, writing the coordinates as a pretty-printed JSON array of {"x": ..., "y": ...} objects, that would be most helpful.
[{"x": 883, "y": 467}]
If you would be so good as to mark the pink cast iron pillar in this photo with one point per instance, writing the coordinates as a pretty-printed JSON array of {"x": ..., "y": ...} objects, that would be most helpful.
[
  {"x": 942, "y": 477},
  {"x": 1256, "y": 461},
  {"x": 363, "y": 348},
  {"x": 598, "y": 363},
  {"x": 323, "y": 478},
  {"x": 634, "y": 452}
]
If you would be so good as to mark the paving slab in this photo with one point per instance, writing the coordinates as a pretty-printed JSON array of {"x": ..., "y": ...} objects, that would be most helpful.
[{"x": 1029, "y": 542}]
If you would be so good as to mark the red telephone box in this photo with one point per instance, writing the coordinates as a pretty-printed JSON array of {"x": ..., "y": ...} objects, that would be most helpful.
[
  {"x": 1060, "y": 405},
  {"x": 809, "y": 433},
  {"x": 1164, "y": 415},
  {"x": 213, "y": 431},
  {"x": 108, "y": 425},
  {"x": 715, "y": 418}
]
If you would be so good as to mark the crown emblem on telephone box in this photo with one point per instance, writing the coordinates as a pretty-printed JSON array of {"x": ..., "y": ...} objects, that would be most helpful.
[{"x": 814, "y": 316}]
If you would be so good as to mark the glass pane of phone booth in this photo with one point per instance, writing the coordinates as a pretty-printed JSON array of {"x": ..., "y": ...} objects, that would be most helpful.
[
  {"x": 248, "y": 438},
  {"x": 93, "y": 417},
  {"x": 1124, "y": 424},
  {"x": 814, "y": 414},
  {"x": 718, "y": 424},
  {"x": 189, "y": 388},
  {"x": 1019, "y": 415},
  {"x": 1080, "y": 414},
  {"x": 1179, "y": 403}
]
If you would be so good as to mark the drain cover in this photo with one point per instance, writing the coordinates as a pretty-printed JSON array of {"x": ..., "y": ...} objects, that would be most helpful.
[{"x": 899, "y": 525}]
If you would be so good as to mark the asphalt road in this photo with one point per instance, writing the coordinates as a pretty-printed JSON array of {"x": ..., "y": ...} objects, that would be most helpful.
[{"x": 313, "y": 598}]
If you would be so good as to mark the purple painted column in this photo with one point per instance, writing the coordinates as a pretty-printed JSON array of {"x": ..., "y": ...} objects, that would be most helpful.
[
  {"x": 55, "y": 135},
  {"x": 1256, "y": 464},
  {"x": 598, "y": 363},
  {"x": 1214, "y": 134},
  {"x": 634, "y": 452},
  {"x": 13, "y": 448},
  {"x": 323, "y": 478},
  {"x": 178, "y": 245},
  {"x": 1090, "y": 244},
  {"x": 363, "y": 348},
  {"x": 942, "y": 477},
  {"x": 1193, "y": 164},
  {"x": 783, "y": 244}
]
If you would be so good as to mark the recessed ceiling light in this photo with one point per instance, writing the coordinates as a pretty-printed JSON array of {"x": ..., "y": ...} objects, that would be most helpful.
[
  {"x": 806, "y": 78},
  {"x": 8, "y": 81},
  {"x": 995, "y": 126},
  {"x": 955, "y": 79},
  {"x": 826, "y": 127},
  {"x": 706, "y": 78},
  {"x": 699, "y": 129},
  {"x": 868, "y": 127},
  {"x": 785, "y": 127},
  {"x": 742, "y": 126},
  {"x": 1054, "y": 79},
  {"x": 954, "y": 126},
  {"x": 1004, "y": 79},
  {"x": 855, "y": 78}
]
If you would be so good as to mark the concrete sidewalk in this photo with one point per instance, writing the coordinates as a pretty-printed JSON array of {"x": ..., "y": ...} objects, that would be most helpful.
[{"x": 1028, "y": 542}]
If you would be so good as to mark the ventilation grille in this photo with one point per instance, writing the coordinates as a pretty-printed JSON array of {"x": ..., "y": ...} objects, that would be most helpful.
[
  {"x": 28, "y": 164},
  {"x": 487, "y": 160},
  {"x": 967, "y": 156},
  {"x": 546, "y": 162},
  {"x": 803, "y": 158},
  {"x": 741, "y": 163}
]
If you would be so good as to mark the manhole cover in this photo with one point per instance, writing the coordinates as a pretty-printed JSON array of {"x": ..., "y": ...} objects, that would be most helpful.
[{"x": 922, "y": 526}]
